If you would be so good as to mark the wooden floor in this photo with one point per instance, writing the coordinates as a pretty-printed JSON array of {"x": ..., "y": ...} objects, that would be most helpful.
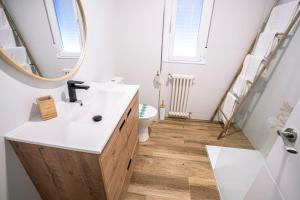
[{"x": 173, "y": 163}]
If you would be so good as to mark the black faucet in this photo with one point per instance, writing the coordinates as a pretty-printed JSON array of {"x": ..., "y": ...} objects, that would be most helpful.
[{"x": 72, "y": 86}]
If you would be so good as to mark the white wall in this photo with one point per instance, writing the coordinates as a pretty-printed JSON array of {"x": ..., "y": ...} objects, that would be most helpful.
[
  {"x": 17, "y": 98},
  {"x": 138, "y": 49},
  {"x": 234, "y": 26}
]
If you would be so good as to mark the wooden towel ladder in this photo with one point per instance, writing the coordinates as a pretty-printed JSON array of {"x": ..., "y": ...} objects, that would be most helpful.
[{"x": 265, "y": 63}]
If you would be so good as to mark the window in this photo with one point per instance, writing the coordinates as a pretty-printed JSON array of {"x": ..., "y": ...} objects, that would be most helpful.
[
  {"x": 187, "y": 24},
  {"x": 66, "y": 27}
]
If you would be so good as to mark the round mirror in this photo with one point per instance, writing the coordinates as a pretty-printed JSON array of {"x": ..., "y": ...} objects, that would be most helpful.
[{"x": 44, "y": 39}]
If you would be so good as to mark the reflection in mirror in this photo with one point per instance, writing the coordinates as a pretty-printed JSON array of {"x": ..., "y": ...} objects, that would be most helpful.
[{"x": 44, "y": 37}]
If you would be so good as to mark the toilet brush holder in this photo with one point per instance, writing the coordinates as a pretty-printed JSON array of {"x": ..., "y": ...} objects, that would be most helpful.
[{"x": 162, "y": 113}]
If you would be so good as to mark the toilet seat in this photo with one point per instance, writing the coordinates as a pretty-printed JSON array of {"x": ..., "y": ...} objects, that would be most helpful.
[{"x": 146, "y": 111}]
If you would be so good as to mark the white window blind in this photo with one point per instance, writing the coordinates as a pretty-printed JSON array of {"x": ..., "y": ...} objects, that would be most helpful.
[
  {"x": 67, "y": 25},
  {"x": 186, "y": 30},
  {"x": 188, "y": 16}
]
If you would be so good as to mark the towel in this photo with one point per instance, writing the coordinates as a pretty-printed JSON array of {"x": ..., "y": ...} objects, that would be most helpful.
[
  {"x": 265, "y": 44},
  {"x": 158, "y": 81},
  {"x": 18, "y": 54},
  {"x": 281, "y": 16},
  {"x": 7, "y": 38},
  {"x": 240, "y": 86},
  {"x": 142, "y": 110},
  {"x": 228, "y": 107},
  {"x": 251, "y": 67}
]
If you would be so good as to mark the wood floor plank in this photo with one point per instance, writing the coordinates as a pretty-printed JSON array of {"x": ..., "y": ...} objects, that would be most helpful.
[
  {"x": 133, "y": 196},
  {"x": 151, "y": 197},
  {"x": 161, "y": 193},
  {"x": 161, "y": 148},
  {"x": 162, "y": 182},
  {"x": 204, "y": 192},
  {"x": 173, "y": 164},
  {"x": 178, "y": 148},
  {"x": 203, "y": 188},
  {"x": 172, "y": 167}
]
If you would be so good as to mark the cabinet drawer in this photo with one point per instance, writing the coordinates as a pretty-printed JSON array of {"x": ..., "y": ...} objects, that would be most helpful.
[
  {"x": 114, "y": 160},
  {"x": 130, "y": 167},
  {"x": 132, "y": 160},
  {"x": 115, "y": 185},
  {"x": 132, "y": 139},
  {"x": 132, "y": 114}
]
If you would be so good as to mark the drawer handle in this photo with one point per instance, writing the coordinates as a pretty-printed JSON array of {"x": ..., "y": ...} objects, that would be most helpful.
[
  {"x": 129, "y": 112},
  {"x": 121, "y": 127},
  {"x": 129, "y": 164}
]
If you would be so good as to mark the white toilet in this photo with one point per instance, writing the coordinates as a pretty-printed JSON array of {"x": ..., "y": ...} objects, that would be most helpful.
[{"x": 146, "y": 115}]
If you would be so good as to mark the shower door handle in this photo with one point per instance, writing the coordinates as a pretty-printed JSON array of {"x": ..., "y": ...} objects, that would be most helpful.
[{"x": 289, "y": 137}]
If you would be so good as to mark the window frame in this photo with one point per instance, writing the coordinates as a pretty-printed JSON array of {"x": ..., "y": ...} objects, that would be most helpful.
[
  {"x": 203, "y": 34},
  {"x": 55, "y": 32}
]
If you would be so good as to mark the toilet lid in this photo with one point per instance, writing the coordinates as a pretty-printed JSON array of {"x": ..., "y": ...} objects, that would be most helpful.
[{"x": 146, "y": 111}]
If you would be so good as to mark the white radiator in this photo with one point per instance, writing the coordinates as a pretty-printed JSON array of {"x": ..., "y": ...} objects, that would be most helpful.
[{"x": 181, "y": 86}]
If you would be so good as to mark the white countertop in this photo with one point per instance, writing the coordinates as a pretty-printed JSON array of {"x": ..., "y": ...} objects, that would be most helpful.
[{"x": 75, "y": 131}]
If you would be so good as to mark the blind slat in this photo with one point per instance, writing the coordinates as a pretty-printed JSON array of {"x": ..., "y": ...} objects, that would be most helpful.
[
  {"x": 187, "y": 25},
  {"x": 67, "y": 24}
]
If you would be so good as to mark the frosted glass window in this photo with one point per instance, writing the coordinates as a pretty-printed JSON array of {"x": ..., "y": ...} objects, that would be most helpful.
[
  {"x": 67, "y": 25},
  {"x": 187, "y": 25}
]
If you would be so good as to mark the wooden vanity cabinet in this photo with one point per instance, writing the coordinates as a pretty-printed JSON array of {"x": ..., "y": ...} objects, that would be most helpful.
[{"x": 60, "y": 174}]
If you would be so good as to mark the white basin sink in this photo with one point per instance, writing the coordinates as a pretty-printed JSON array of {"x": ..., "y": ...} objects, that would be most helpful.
[
  {"x": 101, "y": 102},
  {"x": 74, "y": 127}
]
